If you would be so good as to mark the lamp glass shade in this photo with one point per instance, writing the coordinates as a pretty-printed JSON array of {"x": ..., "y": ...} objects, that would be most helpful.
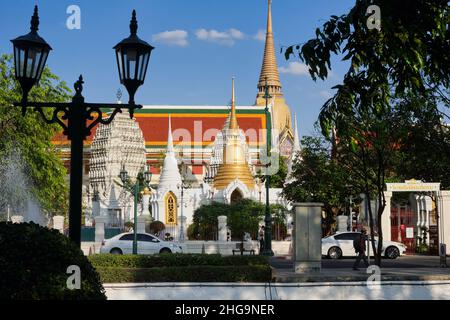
[
  {"x": 30, "y": 56},
  {"x": 133, "y": 57},
  {"x": 147, "y": 176},
  {"x": 123, "y": 175}
]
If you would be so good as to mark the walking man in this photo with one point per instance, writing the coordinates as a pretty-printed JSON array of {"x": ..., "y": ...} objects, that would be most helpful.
[
  {"x": 261, "y": 239},
  {"x": 360, "y": 248}
]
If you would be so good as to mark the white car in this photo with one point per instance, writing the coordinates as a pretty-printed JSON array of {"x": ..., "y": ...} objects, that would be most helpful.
[
  {"x": 341, "y": 245},
  {"x": 146, "y": 244}
]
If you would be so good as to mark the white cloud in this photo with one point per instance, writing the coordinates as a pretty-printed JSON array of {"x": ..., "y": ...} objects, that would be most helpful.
[
  {"x": 172, "y": 38},
  {"x": 295, "y": 68},
  {"x": 325, "y": 94},
  {"x": 227, "y": 37},
  {"x": 260, "y": 36}
]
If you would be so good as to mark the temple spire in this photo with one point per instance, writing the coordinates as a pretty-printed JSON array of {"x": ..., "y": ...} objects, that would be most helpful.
[
  {"x": 170, "y": 176},
  {"x": 170, "y": 149},
  {"x": 233, "y": 119},
  {"x": 269, "y": 68}
]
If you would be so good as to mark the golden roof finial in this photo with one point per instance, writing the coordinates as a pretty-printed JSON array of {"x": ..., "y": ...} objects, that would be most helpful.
[
  {"x": 269, "y": 68},
  {"x": 233, "y": 119}
]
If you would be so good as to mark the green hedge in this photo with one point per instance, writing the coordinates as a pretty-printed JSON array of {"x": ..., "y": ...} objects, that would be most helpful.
[
  {"x": 34, "y": 262},
  {"x": 181, "y": 268},
  {"x": 174, "y": 260},
  {"x": 242, "y": 273}
]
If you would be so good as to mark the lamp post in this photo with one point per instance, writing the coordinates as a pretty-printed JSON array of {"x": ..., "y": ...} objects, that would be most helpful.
[
  {"x": 182, "y": 186},
  {"x": 142, "y": 181},
  {"x": 78, "y": 118},
  {"x": 268, "y": 218}
]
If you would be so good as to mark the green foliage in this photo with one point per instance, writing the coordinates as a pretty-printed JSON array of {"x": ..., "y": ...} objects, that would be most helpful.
[
  {"x": 181, "y": 268},
  {"x": 256, "y": 273},
  {"x": 406, "y": 58},
  {"x": 425, "y": 149},
  {"x": 243, "y": 216},
  {"x": 422, "y": 248},
  {"x": 34, "y": 262},
  {"x": 409, "y": 52},
  {"x": 319, "y": 177},
  {"x": 173, "y": 260},
  {"x": 278, "y": 179},
  {"x": 32, "y": 138}
]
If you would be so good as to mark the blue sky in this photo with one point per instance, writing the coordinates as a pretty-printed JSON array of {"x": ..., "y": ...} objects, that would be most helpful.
[{"x": 199, "y": 44}]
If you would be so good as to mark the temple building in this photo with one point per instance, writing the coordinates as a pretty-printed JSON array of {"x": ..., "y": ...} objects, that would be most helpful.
[{"x": 216, "y": 150}]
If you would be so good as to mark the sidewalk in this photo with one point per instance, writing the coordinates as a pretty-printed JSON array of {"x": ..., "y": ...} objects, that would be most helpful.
[
  {"x": 344, "y": 275},
  {"x": 404, "y": 269}
]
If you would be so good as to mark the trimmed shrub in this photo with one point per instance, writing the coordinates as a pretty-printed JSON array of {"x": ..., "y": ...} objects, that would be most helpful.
[
  {"x": 239, "y": 273},
  {"x": 34, "y": 262},
  {"x": 174, "y": 260}
]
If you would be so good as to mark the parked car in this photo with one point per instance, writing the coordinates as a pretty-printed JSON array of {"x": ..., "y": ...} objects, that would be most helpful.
[
  {"x": 341, "y": 245},
  {"x": 146, "y": 243}
]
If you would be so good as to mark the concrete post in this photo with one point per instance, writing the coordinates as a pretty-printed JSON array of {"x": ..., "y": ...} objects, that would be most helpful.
[
  {"x": 145, "y": 203},
  {"x": 141, "y": 224},
  {"x": 222, "y": 226},
  {"x": 342, "y": 223},
  {"x": 17, "y": 219},
  {"x": 444, "y": 217},
  {"x": 386, "y": 217},
  {"x": 95, "y": 208},
  {"x": 58, "y": 223},
  {"x": 307, "y": 237},
  {"x": 100, "y": 222}
]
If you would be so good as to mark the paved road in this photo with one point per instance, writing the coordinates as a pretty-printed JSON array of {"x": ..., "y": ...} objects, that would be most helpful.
[{"x": 346, "y": 263}]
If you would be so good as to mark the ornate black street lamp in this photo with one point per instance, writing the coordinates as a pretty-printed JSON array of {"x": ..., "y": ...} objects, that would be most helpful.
[
  {"x": 142, "y": 181},
  {"x": 268, "y": 217},
  {"x": 78, "y": 118}
]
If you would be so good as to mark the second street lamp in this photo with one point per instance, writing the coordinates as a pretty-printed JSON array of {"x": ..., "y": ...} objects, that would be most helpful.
[
  {"x": 142, "y": 181},
  {"x": 77, "y": 118}
]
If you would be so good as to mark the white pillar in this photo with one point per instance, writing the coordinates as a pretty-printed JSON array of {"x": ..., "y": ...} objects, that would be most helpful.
[
  {"x": 95, "y": 208},
  {"x": 386, "y": 217},
  {"x": 222, "y": 226},
  {"x": 141, "y": 224},
  {"x": 145, "y": 204},
  {"x": 17, "y": 219},
  {"x": 307, "y": 237},
  {"x": 58, "y": 223},
  {"x": 342, "y": 223},
  {"x": 444, "y": 218},
  {"x": 100, "y": 228}
]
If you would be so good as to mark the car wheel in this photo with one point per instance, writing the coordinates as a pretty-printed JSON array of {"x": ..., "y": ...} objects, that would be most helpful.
[
  {"x": 116, "y": 251},
  {"x": 392, "y": 252},
  {"x": 335, "y": 253},
  {"x": 165, "y": 250}
]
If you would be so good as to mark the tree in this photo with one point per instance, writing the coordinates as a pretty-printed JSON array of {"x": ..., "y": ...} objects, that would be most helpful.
[
  {"x": 318, "y": 177},
  {"x": 407, "y": 56},
  {"x": 31, "y": 137},
  {"x": 278, "y": 179},
  {"x": 243, "y": 216},
  {"x": 424, "y": 153}
]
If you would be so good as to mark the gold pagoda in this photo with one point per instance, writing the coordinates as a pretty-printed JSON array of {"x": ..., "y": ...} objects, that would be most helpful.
[{"x": 234, "y": 162}]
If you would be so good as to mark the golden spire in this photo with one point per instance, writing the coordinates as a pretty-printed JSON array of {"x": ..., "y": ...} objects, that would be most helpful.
[
  {"x": 233, "y": 119},
  {"x": 269, "y": 68},
  {"x": 234, "y": 162}
]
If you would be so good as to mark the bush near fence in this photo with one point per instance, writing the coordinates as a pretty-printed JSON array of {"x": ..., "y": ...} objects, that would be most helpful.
[{"x": 181, "y": 268}]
